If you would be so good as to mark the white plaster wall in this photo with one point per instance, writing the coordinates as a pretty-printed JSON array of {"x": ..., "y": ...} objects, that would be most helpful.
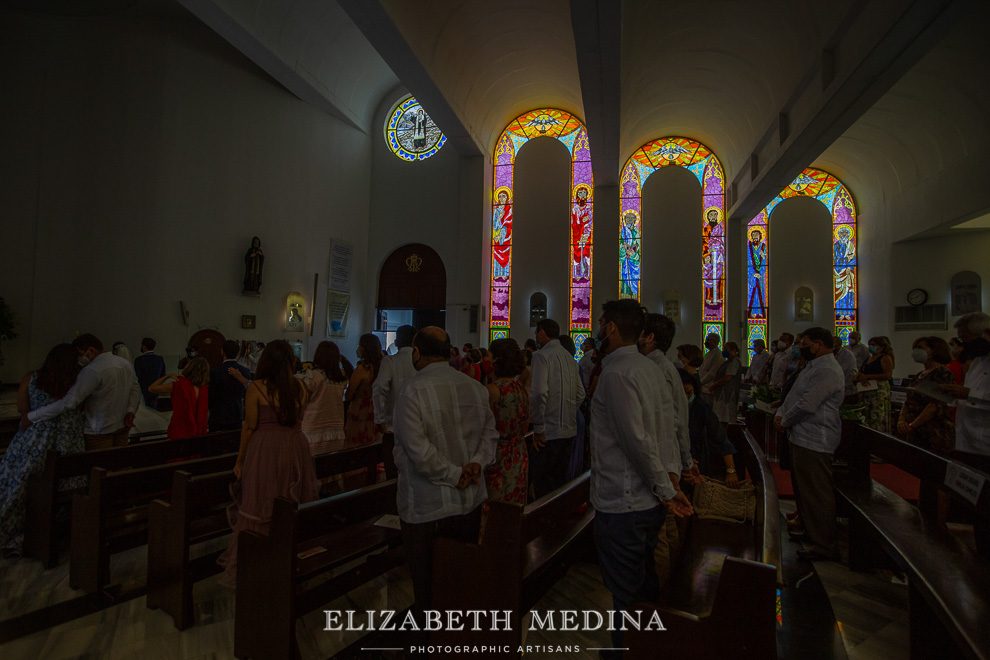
[
  {"x": 672, "y": 248},
  {"x": 800, "y": 255},
  {"x": 541, "y": 234},
  {"x": 929, "y": 264},
  {"x": 437, "y": 202},
  {"x": 143, "y": 153}
]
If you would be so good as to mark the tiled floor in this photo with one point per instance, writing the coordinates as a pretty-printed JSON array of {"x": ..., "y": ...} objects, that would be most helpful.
[{"x": 870, "y": 608}]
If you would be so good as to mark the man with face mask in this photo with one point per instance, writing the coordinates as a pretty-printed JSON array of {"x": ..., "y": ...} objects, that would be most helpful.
[
  {"x": 856, "y": 347},
  {"x": 632, "y": 416},
  {"x": 444, "y": 438},
  {"x": 782, "y": 360},
  {"x": 811, "y": 414},
  {"x": 109, "y": 390}
]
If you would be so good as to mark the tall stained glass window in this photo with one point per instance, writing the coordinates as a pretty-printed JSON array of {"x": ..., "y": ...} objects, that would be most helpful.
[
  {"x": 410, "y": 133},
  {"x": 837, "y": 199},
  {"x": 571, "y": 132},
  {"x": 701, "y": 162}
]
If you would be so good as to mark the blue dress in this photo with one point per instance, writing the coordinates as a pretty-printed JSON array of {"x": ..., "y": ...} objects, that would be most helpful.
[{"x": 26, "y": 455}]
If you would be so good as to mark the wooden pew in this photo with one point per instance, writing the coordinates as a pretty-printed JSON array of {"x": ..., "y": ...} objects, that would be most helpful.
[
  {"x": 197, "y": 512},
  {"x": 41, "y": 533},
  {"x": 720, "y": 600},
  {"x": 275, "y": 586},
  {"x": 113, "y": 514},
  {"x": 948, "y": 585},
  {"x": 524, "y": 551}
]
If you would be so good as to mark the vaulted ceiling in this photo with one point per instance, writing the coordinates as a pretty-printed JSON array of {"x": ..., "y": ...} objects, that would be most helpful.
[{"x": 879, "y": 92}]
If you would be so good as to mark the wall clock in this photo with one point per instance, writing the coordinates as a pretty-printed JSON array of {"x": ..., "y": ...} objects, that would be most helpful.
[{"x": 917, "y": 297}]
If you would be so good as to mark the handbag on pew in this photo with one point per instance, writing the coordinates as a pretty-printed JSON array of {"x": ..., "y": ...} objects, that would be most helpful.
[{"x": 715, "y": 501}]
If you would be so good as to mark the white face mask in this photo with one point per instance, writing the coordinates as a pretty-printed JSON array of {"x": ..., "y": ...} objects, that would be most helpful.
[
  {"x": 84, "y": 360},
  {"x": 781, "y": 345},
  {"x": 853, "y": 341},
  {"x": 919, "y": 355}
]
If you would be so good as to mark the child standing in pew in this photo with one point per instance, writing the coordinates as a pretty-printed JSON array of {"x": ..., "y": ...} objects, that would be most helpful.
[{"x": 274, "y": 458}]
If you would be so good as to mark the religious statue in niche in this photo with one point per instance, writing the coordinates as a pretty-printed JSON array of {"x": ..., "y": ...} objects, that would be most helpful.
[
  {"x": 804, "y": 305},
  {"x": 294, "y": 305},
  {"x": 537, "y": 308},
  {"x": 967, "y": 293},
  {"x": 254, "y": 262},
  {"x": 502, "y": 233},
  {"x": 581, "y": 233},
  {"x": 629, "y": 256},
  {"x": 844, "y": 256},
  {"x": 757, "y": 305}
]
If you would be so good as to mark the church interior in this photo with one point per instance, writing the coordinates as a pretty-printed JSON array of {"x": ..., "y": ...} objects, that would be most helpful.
[{"x": 477, "y": 166}]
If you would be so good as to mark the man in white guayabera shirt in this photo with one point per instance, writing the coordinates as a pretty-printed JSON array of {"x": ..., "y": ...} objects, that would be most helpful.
[
  {"x": 444, "y": 437},
  {"x": 393, "y": 372},
  {"x": 109, "y": 391},
  {"x": 631, "y": 488},
  {"x": 811, "y": 414},
  {"x": 555, "y": 395}
]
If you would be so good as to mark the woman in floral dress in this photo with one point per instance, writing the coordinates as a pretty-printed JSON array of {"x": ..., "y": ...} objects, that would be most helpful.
[
  {"x": 507, "y": 480},
  {"x": 878, "y": 367},
  {"x": 29, "y": 447},
  {"x": 360, "y": 427}
]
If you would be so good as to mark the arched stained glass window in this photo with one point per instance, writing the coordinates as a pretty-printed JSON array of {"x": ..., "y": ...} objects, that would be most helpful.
[
  {"x": 838, "y": 200},
  {"x": 571, "y": 132},
  {"x": 700, "y": 161},
  {"x": 410, "y": 133}
]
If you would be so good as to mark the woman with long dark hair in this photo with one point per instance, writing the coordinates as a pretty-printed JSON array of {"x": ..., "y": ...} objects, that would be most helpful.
[
  {"x": 274, "y": 459},
  {"x": 508, "y": 479},
  {"x": 360, "y": 427},
  {"x": 28, "y": 448},
  {"x": 323, "y": 422},
  {"x": 190, "y": 399}
]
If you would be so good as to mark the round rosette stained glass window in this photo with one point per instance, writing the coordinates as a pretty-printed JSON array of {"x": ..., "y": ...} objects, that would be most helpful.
[{"x": 410, "y": 133}]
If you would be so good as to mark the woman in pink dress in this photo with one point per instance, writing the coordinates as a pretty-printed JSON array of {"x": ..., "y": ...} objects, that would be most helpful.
[
  {"x": 274, "y": 459},
  {"x": 360, "y": 427}
]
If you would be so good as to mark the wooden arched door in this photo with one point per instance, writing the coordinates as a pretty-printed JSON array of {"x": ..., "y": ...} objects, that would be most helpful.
[{"x": 413, "y": 277}]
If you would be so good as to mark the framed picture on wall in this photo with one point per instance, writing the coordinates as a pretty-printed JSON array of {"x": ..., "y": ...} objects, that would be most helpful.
[{"x": 247, "y": 322}]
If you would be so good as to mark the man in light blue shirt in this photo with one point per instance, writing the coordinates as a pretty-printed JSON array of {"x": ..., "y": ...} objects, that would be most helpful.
[
  {"x": 631, "y": 488},
  {"x": 811, "y": 415}
]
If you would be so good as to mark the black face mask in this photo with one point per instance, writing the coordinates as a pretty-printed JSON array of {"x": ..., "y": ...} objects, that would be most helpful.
[
  {"x": 977, "y": 347},
  {"x": 807, "y": 354}
]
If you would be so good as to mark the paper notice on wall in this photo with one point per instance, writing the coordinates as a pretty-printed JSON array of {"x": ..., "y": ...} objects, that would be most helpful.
[
  {"x": 341, "y": 259},
  {"x": 964, "y": 481},
  {"x": 338, "y": 304}
]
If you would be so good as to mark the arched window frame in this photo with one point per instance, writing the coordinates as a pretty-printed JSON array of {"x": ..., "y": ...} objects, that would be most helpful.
[
  {"x": 403, "y": 105},
  {"x": 706, "y": 167},
  {"x": 833, "y": 194},
  {"x": 570, "y": 131}
]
